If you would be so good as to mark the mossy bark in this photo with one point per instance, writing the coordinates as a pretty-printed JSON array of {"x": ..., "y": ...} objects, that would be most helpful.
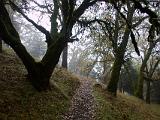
[
  {"x": 112, "y": 86},
  {"x": 0, "y": 45},
  {"x": 119, "y": 53},
  {"x": 64, "y": 57},
  {"x": 44, "y": 69},
  {"x": 139, "y": 91},
  {"x": 40, "y": 78},
  {"x": 39, "y": 73},
  {"x": 148, "y": 92}
]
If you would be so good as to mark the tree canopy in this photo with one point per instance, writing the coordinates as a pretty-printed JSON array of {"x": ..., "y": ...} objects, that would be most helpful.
[{"x": 65, "y": 16}]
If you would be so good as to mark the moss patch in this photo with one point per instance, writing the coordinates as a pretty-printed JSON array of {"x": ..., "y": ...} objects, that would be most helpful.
[
  {"x": 122, "y": 107},
  {"x": 65, "y": 82},
  {"x": 20, "y": 101}
]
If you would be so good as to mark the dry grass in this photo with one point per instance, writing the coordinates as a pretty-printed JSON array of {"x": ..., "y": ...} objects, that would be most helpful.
[
  {"x": 20, "y": 101},
  {"x": 123, "y": 107}
]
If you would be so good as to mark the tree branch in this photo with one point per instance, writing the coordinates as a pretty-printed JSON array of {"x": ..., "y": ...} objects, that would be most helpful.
[
  {"x": 65, "y": 10},
  {"x": 11, "y": 37},
  {"x": 155, "y": 66},
  {"x": 80, "y": 10},
  {"x": 72, "y": 40},
  {"x": 153, "y": 15},
  {"x": 43, "y": 6},
  {"x": 107, "y": 26},
  {"x": 54, "y": 16},
  {"x": 39, "y": 27},
  {"x": 129, "y": 25},
  {"x": 139, "y": 22}
]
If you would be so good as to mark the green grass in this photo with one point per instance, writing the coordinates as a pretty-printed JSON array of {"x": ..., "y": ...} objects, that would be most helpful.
[
  {"x": 123, "y": 107},
  {"x": 67, "y": 83},
  {"x": 20, "y": 101}
]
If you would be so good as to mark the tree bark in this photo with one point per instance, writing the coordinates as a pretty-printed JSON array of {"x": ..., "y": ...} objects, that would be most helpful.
[
  {"x": 113, "y": 83},
  {"x": 64, "y": 57},
  {"x": 149, "y": 80},
  {"x": 112, "y": 86},
  {"x": 39, "y": 73},
  {"x": 119, "y": 55},
  {"x": 0, "y": 45},
  {"x": 148, "y": 92},
  {"x": 139, "y": 91}
]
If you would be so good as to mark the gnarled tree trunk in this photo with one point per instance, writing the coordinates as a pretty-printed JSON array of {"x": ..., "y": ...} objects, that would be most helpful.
[{"x": 39, "y": 73}]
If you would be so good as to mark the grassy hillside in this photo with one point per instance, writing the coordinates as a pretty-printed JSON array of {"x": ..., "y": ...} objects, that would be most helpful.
[
  {"x": 123, "y": 107},
  {"x": 20, "y": 101}
]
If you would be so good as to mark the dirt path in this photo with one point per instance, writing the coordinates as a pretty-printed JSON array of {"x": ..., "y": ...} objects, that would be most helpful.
[{"x": 83, "y": 104}]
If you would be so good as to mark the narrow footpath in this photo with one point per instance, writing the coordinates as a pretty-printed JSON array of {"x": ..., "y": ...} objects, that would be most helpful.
[{"x": 83, "y": 104}]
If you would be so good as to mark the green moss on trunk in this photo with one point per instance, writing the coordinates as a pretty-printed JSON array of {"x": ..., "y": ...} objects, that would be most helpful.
[
  {"x": 148, "y": 92},
  {"x": 112, "y": 86},
  {"x": 64, "y": 57},
  {"x": 139, "y": 91},
  {"x": 40, "y": 78}
]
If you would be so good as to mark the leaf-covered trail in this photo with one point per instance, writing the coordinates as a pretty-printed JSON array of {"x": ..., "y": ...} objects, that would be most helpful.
[{"x": 83, "y": 104}]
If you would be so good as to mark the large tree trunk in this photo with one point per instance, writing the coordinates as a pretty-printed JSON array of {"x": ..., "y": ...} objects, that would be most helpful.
[
  {"x": 149, "y": 79},
  {"x": 64, "y": 57},
  {"x": 120, "y": 86},
  {"x": 148, "y": 92},
  {"x": 139, "y": 91},
  {"x": 112, "y": 86},
  {"x": 39, "y": 78},
  {"x": 38, "y": 73},
  {"x": 120, "y": 51},
  {"x": 44, "y": 69}
]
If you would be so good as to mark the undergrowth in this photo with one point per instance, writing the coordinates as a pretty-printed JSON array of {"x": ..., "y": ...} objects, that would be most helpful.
[
  {"x": 122, "y": 108},
  {"x": 20, "y": 101}
]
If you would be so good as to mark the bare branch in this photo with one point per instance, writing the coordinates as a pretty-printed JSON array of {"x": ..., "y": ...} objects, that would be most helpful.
[
  {"x": 153, "y": 15},
  {"x": 139, "y": 22},
  {"x": 155, "y": 66},
  {"x": 54, "y": 16},
  {"x": 80, "y": 10},
  {"x": 43, "y": 6},
  {"x": 129, "y": 26},
  {"x": 101, "y": 22},
  {"x": 39, "y": 27},
  {"x": 72, "y": 40},
  {"x": 65, "y": 8}
]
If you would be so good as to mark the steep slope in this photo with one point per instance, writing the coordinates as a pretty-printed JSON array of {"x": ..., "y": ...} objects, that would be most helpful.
[
  {"x": 123, "y": 107},
  {"x": 20, "y": 101}
]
